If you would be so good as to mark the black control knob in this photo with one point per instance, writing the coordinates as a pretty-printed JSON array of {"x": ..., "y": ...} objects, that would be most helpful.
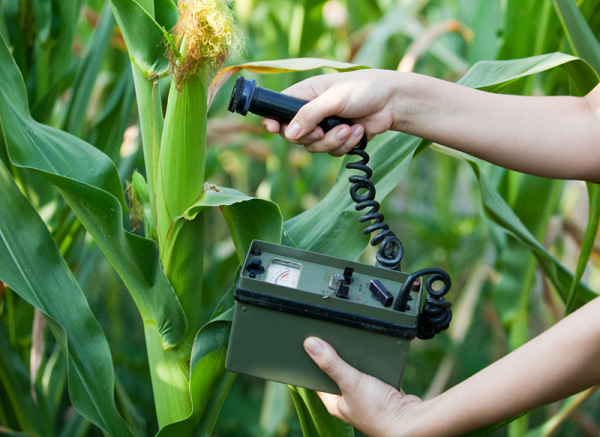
[{"x": 255, "y": 266}]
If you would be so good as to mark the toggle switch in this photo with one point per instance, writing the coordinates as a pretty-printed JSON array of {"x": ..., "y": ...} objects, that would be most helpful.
[
  {"x": 348, "y": 271},
  {"x": 342, "y": 292}
]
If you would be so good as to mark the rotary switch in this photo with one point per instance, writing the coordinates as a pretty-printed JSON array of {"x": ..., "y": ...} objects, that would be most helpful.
[{"x": 255, "y": 267}]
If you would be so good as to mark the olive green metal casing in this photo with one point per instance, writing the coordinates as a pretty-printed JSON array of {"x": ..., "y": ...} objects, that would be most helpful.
[{"x": 272, "y": 321}]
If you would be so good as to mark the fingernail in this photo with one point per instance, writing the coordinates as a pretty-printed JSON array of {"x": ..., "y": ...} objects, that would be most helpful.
[
  {"x": 293, "y": 131},
  {"x": 358, "y": 130},
  {"x": 343, "y": 134},
  {"x": 313, "y": 346}
]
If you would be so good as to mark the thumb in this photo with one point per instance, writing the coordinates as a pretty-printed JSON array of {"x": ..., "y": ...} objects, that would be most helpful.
[
  {"x": 311, "y": 114},
  {"x": 345, "y": 376}
]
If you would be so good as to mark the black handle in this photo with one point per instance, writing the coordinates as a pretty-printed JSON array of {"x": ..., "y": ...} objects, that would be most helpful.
[{"x": 247, "y": 97}]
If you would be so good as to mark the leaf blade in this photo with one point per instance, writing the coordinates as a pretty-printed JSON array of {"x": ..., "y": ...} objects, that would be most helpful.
[
  {"x": 276, "y": 66},
  {"x": 46, "y": 282},
  {"x": 89, "y": 182}
]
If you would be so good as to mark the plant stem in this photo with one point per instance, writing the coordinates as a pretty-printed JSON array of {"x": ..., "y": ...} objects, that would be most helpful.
[
  {"x": 151, "y": 124},
  {"x": 169, "y": 373}
]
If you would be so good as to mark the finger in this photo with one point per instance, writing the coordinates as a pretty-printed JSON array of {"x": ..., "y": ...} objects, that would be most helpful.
[
  {"x": 351, "y": 143},
  {"x": 338, "y": 141},
  {"x": 270, "y": 125},
  {"x": 327, "y": 104},
  {"x": 331, "y": 403},
  {"x": 310, "y": 88},
  {"x": 344, "y": 375},
  {"x": 313, "y": 136}
]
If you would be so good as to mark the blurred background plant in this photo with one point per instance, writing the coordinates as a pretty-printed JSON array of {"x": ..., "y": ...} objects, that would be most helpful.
[{"x": 77, "y": 75}]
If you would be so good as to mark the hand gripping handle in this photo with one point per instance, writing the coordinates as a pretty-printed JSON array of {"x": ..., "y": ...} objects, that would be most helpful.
[{"x": 247, "y": 97}]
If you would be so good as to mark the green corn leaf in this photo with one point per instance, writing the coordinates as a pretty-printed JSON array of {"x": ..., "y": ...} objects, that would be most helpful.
[
  {"x": 109, "y": 127},
  {"x": 314, "y": 417},
  {"x": 89, "y": 182},
  {"x": 500, "y": 212},
  {"x": 54, "y": 380},
  {"x": 309, "y": 427},
  {"x": 248, "y": 218},
  {"x": 580, "y": 36},
  {"x": 75, "y": 426},
  {"x": 534, "y": 203},
  {"x": 567, "y": 409},
  {"x": 277, "y": 66},
  {"x": 496, "y": 76},
  {"x": 493, "y": 428},
  {"x": 143, "y": 36},
  {"x": 88, "y": 71},
  {"x": 209, "y": 382},
  {"x": 166, "y": 13},
  {"x": 45, "y": 281},
  {"x": 584, "y": 44},
  {"x": 132, "y": 415},
  {"x": 43, "y": 19},
  {"x": 15, "y": 377},
  {"x": 8, "y": 433},
  {"x": 207, "y": 371},
  {"x": 332, "y": 227},
  {"x": 373, "y": 50},
  {"x": 589, "y": 239},
  {"x": 275, "y": 408},
  {"x": 56, "y": 53}
]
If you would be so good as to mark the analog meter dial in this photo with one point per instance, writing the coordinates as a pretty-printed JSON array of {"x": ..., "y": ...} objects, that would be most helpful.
[{"x": 283, "y": 272}]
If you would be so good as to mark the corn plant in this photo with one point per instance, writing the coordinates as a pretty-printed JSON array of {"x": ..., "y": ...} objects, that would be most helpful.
[{"x": 183, "y": 46}]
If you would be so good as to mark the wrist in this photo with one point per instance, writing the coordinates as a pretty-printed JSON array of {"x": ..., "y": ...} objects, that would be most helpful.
[
  {"x": 423, "y": 419},
  {"x": 405, "y": 99}
]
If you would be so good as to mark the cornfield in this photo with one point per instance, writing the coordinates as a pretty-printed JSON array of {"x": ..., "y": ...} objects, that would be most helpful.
[{"x": 129, "y": 197}]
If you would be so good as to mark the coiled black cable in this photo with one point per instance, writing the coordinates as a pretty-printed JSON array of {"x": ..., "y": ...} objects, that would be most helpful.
[
  {"x": 435, "y": 316},
  {"x": 390, "y": 250}
]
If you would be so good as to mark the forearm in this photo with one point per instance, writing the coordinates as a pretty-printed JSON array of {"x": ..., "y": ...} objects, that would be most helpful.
[
  {"x": 558, "y": 363},
  {"x": 556, "y": 137}
]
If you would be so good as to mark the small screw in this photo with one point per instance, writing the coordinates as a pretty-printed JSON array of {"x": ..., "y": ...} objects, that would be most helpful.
[
  {"x": 244, "y": 309},
  {"x": 256, "y": 252}
]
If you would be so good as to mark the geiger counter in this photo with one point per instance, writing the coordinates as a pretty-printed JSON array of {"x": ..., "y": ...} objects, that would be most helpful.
[{"x": 283, "y": 295}]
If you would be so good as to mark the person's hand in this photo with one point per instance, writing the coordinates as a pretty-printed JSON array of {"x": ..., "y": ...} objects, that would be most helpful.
[
  {"x": 366, "y": 97},
  {"x": 372, "y": 406}
]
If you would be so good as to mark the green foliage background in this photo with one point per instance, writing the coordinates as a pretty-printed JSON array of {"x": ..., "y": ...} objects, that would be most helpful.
[{"x": 508, "y": 240}]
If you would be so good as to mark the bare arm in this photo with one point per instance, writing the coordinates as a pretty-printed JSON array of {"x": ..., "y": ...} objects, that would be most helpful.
[
  {"x": 560, "y": 362},
  {"x": 556, "y": 137}
]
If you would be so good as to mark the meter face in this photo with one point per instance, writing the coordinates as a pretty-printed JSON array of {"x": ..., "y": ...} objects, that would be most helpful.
[{"x": 284, "y": 273}]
